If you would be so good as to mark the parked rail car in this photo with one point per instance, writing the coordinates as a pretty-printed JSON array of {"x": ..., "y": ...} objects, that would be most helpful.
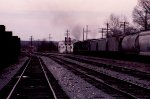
[
  {"x": 132, "y": 47},
  {"x": 93, "y": 45},
  {"x": 102, "y": 45},
  {"x": 144, "y": 43},
  {"x": 81, "y": 47},
  {"x": 113, "y": 44},
  {"x": 15, "y": 47},
  {"x": 130, "y": 43},
  {"x": 10, "y": 47}
]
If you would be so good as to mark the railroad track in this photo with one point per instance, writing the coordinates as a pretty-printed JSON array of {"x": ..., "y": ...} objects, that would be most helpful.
[
  {"x": 98, "y": 62},
  {"x": 121, "y": 69},
  {"x": 33, "y": 81},
  {"x": 115, "y": 87}
]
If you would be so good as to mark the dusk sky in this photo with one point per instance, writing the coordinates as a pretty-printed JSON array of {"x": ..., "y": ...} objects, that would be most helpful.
[{"x": 39, "y": 18}]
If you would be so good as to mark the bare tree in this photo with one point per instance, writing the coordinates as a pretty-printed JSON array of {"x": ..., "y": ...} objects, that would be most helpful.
[
  {"x": 141, "y": 14},
  {"x": 114, "y": 25},
  {"x": 119, "y": 25},
  {"x": 131, "y": 30}
]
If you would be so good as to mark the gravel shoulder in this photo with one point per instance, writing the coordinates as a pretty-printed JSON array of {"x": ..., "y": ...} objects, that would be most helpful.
[
  {"x": 122, "y": 76},
  {"x": 9, "y": 72},
  {"x": 74, "y": 86}
]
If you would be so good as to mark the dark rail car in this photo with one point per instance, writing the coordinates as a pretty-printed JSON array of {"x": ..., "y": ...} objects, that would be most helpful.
[{"x": 10, "y": 47}]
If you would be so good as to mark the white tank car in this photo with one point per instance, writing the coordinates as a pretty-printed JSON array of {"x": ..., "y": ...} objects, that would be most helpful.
[{"x": 62, "y": 48}]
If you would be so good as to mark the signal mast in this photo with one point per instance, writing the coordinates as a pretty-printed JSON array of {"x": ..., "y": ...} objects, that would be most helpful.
[{"x": 67, "y": 41}]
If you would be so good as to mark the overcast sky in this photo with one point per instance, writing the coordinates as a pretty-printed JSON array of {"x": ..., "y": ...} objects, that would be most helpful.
[{"x": 39, "y": 18}]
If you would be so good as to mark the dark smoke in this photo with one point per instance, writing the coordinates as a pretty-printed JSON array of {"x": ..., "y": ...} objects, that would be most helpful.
[
  {"x": 77, "y": 32},
  {"x": 69, "y": 21}
]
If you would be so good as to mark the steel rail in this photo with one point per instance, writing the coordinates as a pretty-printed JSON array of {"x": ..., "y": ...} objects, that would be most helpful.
[
  {"x": 95, "y": 78},
  {"x": 8, "y": 97},
  {"x": 50, "y": 86}
]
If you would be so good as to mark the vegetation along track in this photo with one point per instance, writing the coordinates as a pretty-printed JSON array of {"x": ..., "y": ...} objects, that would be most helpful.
[
  {"x": 114, "y": 86},
  {"x": 33, "y": 81}
]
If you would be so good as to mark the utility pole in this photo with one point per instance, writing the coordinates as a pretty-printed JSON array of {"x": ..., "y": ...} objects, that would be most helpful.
[
  {"x": 50, "y": 43},
  {"x": 145, "y": 23},
  {"x": 102, "y": 32},
  {"x": 50, "y": 37},
  {"x": 107, "y": 29},
  {"x": 124, "y": 26},
  {"x": 67, "y": 33},
  {"x": 66, "y": 40},
  {"x": 83, "y": 34},
  {"x": 31, "y": 41},
  {"x": 87, "y": 32},
  {"x": 31, "y": 47}
]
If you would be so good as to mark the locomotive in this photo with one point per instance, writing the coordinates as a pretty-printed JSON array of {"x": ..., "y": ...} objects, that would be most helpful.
[
  {"x": 65, "y": 48},
  {"x": 135, "y": 44}
]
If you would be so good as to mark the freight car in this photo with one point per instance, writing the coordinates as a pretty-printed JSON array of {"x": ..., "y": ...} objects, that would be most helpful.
[
  {"x": 10, "y": 47},
  {"x": 135, "y": 44}
]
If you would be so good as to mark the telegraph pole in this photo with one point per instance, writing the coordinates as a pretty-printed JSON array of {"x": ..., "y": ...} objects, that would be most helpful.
[
  {"x": 31, "y": 47},
  {"x": 83, "y": 34},
  {"x": 87, "y": 32},
  {"x": 145, "y": 23},
  {"x": 67, "y": 33},
  {"x": 66, "y": 41},
  {"x": 102, "y": 32},
  {"x": 107, "y": 29},
  {"x": 31, "y": 40},
  {"x": 124, "y": 26},
  {"x": 50, "y": 37},
  {"x": 50, "y": 43}
]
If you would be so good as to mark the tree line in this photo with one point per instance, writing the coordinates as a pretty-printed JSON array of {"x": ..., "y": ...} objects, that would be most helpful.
[{"x": 119, "y": 25}]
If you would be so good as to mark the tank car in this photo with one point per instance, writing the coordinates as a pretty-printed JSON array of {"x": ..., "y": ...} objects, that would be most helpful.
[
  {"x": 130, "y": 44},
  {"x": 144, "y": 43},
  {"x": 122, "y": 46}
]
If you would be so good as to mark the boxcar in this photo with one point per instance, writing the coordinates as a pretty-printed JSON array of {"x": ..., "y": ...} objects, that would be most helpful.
[
  {"x": 113, "y": 44},
  {"x": 93, "y": 45},
  {"x": 102, "y": 45}
]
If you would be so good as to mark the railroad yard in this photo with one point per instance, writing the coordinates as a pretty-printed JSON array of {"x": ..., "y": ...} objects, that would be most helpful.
[
  {"x": 68, "y": 76},
  {"x": 75, "y": 49}
]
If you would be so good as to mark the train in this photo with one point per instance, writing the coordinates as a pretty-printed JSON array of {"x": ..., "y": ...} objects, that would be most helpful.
[
  {"x": 10, "y": 47},
  {"x": 137, "y": 44},
  {"x": 62, "y": 48}
]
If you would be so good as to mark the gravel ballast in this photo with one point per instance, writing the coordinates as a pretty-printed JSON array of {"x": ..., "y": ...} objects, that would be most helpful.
[
  {"x": 9, "y": 72},
  {"x": 74, "y": 86}
]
